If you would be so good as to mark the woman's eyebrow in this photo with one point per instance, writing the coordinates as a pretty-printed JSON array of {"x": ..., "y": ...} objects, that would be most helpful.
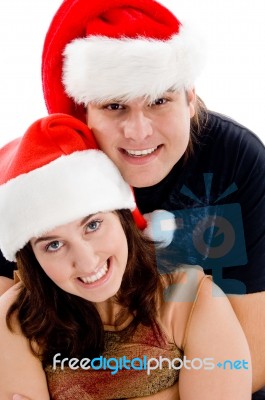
[
  {"x": 43, "y": 239},
  {"x": 84, "y": 220}
]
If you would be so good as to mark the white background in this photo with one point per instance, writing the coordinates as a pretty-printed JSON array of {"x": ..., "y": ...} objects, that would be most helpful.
[{"x": 232, "y": 82}]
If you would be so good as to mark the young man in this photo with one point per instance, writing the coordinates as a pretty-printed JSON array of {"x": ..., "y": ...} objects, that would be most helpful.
[{"x": 127, "y": 68}]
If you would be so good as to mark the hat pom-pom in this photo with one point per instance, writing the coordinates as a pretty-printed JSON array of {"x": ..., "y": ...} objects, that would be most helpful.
[{"x": 161, "y": 226}]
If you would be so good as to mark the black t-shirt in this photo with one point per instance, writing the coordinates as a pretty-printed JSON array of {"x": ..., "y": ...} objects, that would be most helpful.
[{"x": 218, "y": 199}]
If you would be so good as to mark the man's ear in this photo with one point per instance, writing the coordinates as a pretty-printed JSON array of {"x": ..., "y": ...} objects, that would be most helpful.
[{"x": 191, "y": 99}]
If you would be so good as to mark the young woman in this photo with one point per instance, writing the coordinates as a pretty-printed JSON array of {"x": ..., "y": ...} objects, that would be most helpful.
[{"x": 92, "y": 318}]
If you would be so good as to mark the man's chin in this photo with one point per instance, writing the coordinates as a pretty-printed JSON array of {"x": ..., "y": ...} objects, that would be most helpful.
[{"x": 144, "y": 182}]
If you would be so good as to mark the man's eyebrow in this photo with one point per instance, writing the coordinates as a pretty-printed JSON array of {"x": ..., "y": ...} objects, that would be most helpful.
[{"x": 111, "y": 101}]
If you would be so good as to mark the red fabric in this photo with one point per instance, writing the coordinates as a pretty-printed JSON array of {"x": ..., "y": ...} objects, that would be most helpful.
[
  {"x": 59, "y": 133},
  {"x": 80, "y": 18},
  {"x": 46, "y": 140},
  {"x": 139, "y": 219}
]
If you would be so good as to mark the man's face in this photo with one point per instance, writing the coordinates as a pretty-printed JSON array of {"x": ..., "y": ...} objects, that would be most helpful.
[{"x": 144, "y": 140}]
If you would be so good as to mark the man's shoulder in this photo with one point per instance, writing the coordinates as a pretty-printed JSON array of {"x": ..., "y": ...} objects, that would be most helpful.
[
  {"x": 225, "y": 141},
  {"x": 224, "y": 128}
]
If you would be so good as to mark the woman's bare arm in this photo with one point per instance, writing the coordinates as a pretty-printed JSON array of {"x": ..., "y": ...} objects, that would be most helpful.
[{"x": 215, "y": 333}]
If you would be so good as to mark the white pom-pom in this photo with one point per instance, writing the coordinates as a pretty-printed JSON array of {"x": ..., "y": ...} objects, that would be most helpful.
[{"x": 161, "y": 226}]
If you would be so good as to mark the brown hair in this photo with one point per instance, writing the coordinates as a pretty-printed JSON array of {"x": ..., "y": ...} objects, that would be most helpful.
[
  {"x": 198, "y": 121},
  {"x": 61, "y": 322}
]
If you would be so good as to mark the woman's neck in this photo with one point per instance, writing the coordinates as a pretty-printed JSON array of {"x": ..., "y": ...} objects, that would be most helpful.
[{"x": 110, "y": 314}]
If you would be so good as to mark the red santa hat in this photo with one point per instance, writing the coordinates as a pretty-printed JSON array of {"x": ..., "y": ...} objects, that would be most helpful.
[
  {"x": 115, "y": 49},
  {"x": 53, "y": 175}
]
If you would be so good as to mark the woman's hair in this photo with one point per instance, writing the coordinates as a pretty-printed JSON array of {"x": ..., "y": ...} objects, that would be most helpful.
[{"x": 61, "y": 322}]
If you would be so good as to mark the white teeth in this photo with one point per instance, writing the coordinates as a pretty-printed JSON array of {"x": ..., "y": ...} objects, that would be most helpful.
[
  {"x": 96, "y": 276},
  {"x": 139, "y": 153}
]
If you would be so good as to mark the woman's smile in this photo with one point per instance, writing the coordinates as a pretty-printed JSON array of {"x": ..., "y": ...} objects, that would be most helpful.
[{"x": 98, "y": 278}]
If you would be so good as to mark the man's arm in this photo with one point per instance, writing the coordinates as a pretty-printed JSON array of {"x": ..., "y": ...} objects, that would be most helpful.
[
  {"x": 5, "y": 283},
  {"x": 20, "y": 370},
  {"x": 250, "y": 310}
]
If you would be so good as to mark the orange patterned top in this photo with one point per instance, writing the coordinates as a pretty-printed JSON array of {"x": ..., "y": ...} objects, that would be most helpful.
[
  {"x": 103, "y": 384},
  {"x": 131, "y": 380}
]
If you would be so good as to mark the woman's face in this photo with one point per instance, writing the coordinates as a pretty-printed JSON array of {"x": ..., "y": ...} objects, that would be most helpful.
[
  {"x": 144, "y": 140},
  {"x": 86, "y": 257}
]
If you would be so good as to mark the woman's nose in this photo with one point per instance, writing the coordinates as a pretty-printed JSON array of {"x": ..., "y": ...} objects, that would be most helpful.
[{"x": 85, "y": 257}]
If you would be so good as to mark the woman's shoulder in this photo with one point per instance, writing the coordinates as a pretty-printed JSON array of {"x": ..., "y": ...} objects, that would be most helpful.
[
  {"x": 179, "y": 296},
  {"x": 176, "y": 283},
  {"x": 182, "y": 285}
]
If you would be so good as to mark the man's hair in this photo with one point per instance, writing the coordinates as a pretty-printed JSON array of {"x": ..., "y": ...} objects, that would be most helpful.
[
  {"x": 198, "y": 121},
  {"x": 61, "y": 322}
]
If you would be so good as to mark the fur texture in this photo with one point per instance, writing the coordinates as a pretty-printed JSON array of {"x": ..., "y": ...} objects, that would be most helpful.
[
  {"x": 100, "y": 68},
  {"x": 60, "y": 192}
]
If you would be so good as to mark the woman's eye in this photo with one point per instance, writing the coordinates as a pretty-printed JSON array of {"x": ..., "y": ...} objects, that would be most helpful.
[
  {"x": 93, "y": 225},
  {"x": 54, "y": 246}
]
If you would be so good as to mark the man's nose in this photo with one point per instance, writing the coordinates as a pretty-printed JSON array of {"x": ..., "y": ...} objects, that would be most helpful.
[{"x": 137, "y": 127}]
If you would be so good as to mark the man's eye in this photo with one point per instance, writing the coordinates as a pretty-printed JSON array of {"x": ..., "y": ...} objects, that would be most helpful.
[
  {"x": 54, "y": 246},
  {"x": 114, "y": 106},
  {"x": 93, "y": 225},
  {"x": 158, "y": 102}
]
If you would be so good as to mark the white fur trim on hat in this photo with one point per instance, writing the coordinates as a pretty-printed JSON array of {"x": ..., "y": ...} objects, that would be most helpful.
[
  {"x": 60, "y": 192},
  {"x": 99, "y": 68}
]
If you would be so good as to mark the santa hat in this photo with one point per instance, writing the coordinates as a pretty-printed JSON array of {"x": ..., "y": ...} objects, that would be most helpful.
[
  {"x": 115, "y": 49},
  {"x": 54, "y": 175}
]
